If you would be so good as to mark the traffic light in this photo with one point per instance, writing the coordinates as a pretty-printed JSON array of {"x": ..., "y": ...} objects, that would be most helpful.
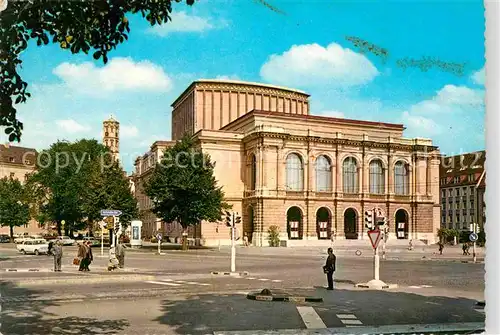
[
  {"x": 237, "y": 219},
  {"x": 369, "y": 219},
  {"x": 381, "y": 221},
  {"x": 116, "y": 223},
  {"x": 229, "y": 219}
]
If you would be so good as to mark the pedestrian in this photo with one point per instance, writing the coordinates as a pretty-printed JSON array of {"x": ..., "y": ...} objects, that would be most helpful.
[
  {"x": 410, "y": 245},
  {"x": 245, "y": 240},
  {"x": 58, "y": 253},
  {"x": 120, "y": 253},
  {"x": 464, "y": 249},
  {"x": 441, "y": 247},
  {"x": 51, "y": 245},
  {"x": 81, "y": 254},
  {"x": 89, "y": 257},
  {"x": 329, "y": 268}
]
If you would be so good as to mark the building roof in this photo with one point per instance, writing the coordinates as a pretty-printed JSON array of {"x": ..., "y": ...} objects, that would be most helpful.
[
  {"x": 235, "y": 82},
  {"x": 327, "y": 119},
  {"x": 112, "y": 119},
  {"x": 11, "y": 154},
  {"x": 462, "y": 166}
]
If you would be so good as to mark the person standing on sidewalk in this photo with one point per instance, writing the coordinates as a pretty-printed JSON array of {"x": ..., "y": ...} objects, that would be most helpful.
[
  {"x": 89, "y": 257},
  {"x": 81, "y": 255},
  {"x": 329, "y": 268},
  {"x": 120, "y": 253},
  {"x": 58, "y": 253}
]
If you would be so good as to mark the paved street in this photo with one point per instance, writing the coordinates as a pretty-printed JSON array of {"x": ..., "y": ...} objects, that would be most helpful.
[{"x": 176, "y": 294}]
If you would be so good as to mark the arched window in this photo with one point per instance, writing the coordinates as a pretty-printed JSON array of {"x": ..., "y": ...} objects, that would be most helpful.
[
  {"x": 401, "y": 178},
  {"x": 253, "y": 172},
  {"x": 294, "y": 173},
  {"x": 377, "y": 178},
  {"x": 350, "y": 175},
  {"x": 323, "y": 174}
]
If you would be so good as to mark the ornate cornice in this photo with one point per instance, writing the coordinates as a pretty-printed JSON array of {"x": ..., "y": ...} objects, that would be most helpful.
[{"x": 341, "y": 141}]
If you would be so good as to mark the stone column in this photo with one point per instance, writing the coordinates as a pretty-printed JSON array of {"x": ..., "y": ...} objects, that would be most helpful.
[
  {"x": 390, "y": 175},
  {"x": 338, "y": 171}
]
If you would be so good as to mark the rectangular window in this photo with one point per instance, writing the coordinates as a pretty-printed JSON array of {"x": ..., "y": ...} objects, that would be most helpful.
[{"x": 443, "y": 194}]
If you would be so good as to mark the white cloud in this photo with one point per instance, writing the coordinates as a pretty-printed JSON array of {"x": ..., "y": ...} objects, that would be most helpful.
[
  {"x": 128, "y": 131},
  {"x": 71, "y": 126},
  {"x": 449, "y": 99},
  {"x": 227, "y": 77},
  {"x": 120, "y": 74},
  {"x": 445, "y": 113},
  {"x": 478, "y": 77},
  {"x": 314, "y": 65},
  {"x": 185, "y": 23},
  {"x": 336, "y": 114},
  {"x": 420, "y": 125}
]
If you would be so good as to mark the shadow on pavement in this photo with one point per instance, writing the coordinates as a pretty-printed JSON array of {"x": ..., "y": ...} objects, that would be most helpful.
[
  {"x": 204, "y": 314},
  {"x": 30, "y": 316}
]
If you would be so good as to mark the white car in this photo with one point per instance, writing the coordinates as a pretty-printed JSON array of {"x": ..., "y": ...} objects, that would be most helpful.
[
  {"x": 33, "y": 246},
  {"x": 65, "y": 240}
]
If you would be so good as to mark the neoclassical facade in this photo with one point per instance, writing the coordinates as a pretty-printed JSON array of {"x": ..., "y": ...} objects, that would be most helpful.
[{"x": 311, "y": 176}]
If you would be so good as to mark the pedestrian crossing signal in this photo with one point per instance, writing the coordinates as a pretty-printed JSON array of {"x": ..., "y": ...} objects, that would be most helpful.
[
  {"x": 229, "y": 219},
  {"x": 237, "y": 219},
  {"x": 369, "y": 219}
]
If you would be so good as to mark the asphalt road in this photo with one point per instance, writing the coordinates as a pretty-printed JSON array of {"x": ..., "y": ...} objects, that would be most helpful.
[{"x": 182, "y": 297}]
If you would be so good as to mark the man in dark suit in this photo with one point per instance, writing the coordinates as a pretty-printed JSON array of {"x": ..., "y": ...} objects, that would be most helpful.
[{"x": 329, "y": 268}]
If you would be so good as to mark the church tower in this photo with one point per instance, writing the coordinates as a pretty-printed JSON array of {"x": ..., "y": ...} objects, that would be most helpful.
[{"x": 111, "y": 138}]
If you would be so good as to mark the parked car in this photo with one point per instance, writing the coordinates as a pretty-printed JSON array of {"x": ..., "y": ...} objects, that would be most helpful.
[
  {"x": 22, "y": 238},
  {"x": 65, "y": 240},
  {"x": 92, "y": 240},
  {"x": 4, "y": 238},
  {"x": 33, "y": 246}
]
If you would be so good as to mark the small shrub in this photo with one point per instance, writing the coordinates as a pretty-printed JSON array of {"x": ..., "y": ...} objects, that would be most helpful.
[{"x": 273, "y": 236}]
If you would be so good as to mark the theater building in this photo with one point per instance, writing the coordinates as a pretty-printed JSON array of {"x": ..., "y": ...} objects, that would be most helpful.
[{"x": 311, "y": 176}]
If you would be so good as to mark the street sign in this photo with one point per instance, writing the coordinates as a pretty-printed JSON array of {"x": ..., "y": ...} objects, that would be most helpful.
[
  {"x": 110, "y": 212},
  {"x": 473, "y": 237},
  {"x": 374, "y": 236},
  {"x": 158, "y": 237}
]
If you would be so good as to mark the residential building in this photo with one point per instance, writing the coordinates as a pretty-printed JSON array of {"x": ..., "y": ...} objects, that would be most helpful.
[
  {"x": 311, "y": 176},
  {"x": 462, "y": 186},
  {"x": 17, "y": 163}
]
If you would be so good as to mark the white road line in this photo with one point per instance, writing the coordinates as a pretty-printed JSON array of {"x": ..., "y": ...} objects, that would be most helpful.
[
  {"x": 351, "y": 322},
  {"x": 414, "y": 286},
  {"x": 195, "y": 283},
  {"x": 162, "y": 283},
  {"x": 263, "y": 279},
  {"x": 276, "y": 281},
  {"x": 310, "y": 317},
  {"x": 251, "y": 278},
  {"x": 426, "y": 286},
  {"x": 346, "y": 316}
]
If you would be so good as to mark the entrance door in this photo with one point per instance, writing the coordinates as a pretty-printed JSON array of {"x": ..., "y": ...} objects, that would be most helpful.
[
  {"x": 350, "y": 224},
  {"x": 402, "y": 225},
  {"x": 294, "y": 223},
  {"x": 323, "y": 223}
]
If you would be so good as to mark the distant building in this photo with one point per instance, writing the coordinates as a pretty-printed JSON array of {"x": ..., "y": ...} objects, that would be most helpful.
[
  {"x": 144, "y": 167},
  {"x": 462, "y": 187},
  {"x": 17, "y": 163},
  {"x": 111, "y": 136}
]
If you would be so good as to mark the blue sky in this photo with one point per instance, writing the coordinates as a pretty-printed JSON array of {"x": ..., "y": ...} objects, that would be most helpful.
[{"x": 303, "y": 48}]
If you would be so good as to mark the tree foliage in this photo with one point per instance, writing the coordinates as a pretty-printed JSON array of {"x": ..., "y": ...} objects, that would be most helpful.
[
  {"x": 183, "y": 188},
  {"x": 74, "y": 181},
  {"x": 96, "y": 27},
  {"x": 14, "y": 204}
]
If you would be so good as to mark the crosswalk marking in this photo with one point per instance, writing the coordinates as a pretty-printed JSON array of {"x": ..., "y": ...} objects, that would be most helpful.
[
  {"x": 276, "y": 281},
  {"x": 349, "y": 320},
  {"x": 263, "y": 279},
  {"x": 162, "y": 283},
  {"x": 310, "y": 317},
  {"x": 420, "y": 286}
]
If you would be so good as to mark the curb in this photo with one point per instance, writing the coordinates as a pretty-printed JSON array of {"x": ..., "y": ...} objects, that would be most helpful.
[
  {"x": 217, "y": 273},
  {"x": 81, "y": 280},
  {"x": 258, "y": 297},
  {"x": 385, "y": 287}
]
